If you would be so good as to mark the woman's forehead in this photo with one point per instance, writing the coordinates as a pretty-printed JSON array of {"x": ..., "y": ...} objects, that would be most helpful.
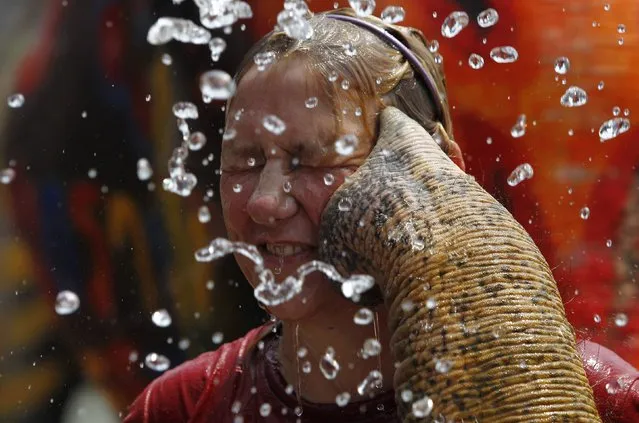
[{"x": 291, "y": 93}]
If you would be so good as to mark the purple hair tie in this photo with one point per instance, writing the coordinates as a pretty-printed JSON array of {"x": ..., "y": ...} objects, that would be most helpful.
[{"x": 408, "y": 55}]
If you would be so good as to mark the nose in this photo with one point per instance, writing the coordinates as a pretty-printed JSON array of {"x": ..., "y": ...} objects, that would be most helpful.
[{"x": 268, "y": 203}]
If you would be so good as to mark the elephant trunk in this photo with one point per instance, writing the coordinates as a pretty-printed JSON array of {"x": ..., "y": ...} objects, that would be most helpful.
[{"x": 479, "y": 330}]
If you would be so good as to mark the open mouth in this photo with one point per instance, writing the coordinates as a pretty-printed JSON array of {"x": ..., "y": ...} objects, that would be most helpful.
[{"x": 278, "y": 254}]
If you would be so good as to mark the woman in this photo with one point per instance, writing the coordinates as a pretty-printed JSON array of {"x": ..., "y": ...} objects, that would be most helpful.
[{"x": 302, "y": 121}]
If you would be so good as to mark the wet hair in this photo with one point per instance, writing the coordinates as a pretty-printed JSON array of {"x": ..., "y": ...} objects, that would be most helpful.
[{"x": 375, "y": 70}]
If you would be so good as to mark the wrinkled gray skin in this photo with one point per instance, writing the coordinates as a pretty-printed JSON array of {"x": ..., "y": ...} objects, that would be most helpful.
[{"x": 426, "y": 230}]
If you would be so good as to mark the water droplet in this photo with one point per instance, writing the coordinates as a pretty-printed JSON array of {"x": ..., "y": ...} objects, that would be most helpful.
[
  {"x": 612, "y": 128},
  {"x": 166, "y": 29},
  {"x": 597, "y": 318},
  {"x": 148, "y": 98},
  {"x": 422, "y": 408},
  {"x": 362, "y": 7},
  {"x": 562, "y": 65},
  {"x": 626, "y": 112},
  {"x": 287, "y": 186},
  {"x": 185, "y": 110},
  {"x": 454, "y": 23},
  {"x": 196, "y": 141},
  {"x": 433, "y": 46},
  {"x": 345, "y": 204},
  {"x": 144, "y": 170},
  {"x": 370, "y": 383},
  {"x": 621, "y": 320},
  {"x": 217, "y": 338},
  {"x": 311, "y": 102},
  {"x": 621, "y": 28},
  {"x": 350, "y": 51},
  {"x": 407, "y": 395},
  {"x": 342, "y": 399},
  {"x": 203, "y": 214},
  {"x": 609, "y": 243},
  {"x": 294, "y": 25},
  {"x": 166, "y": 59},
  {"x": 237, "y": 188},
  {"x": 522, "y": 172},
  {"x": 265, "y": 409},
  {"x": 7, "y": 176},
  {"x": 66, "y": 302},
  {"x": 302, "y": 352},
  {"x": 345, "y": 84},
  {"x": 487, "y": 18},
  {"x": 606, "y": 7},
  {"x": 363, "y": 316},
  {"x": 307, "y": 367},
  {"x": 217, "y": 85},
  {"x": 161, "y": 318},
  {"x": 523, "y": 365},
  {"x": 264, "y": 59},
  {"x": 504, "y": 54},
  {"x": 157, "y": 362},
  {"x": 346, "y": 145},
  {"x": 431, "y": 303},
  {"x": 274, "y": 124},
  {"x": 612, "y": 387},
  {"x": 584, "y": 213},
  {"x": 217, "y": 46},
  {"x": 15, "y": 101},
  {"x": 519, "y": 129},
  {"x": 328, "y": 365},
  {"x": 371, "y": 348},
  {"x": 393, "y": 14},
  {"x": 443, "y": 366},
  {"x": 210, "y": 285},
  {"x": 475, "y": 61}
]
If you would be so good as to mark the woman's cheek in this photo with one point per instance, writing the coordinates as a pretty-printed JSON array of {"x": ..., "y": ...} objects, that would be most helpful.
[
  {"x": 235, "y": 191},
  {"x": 316, "y": 188}
]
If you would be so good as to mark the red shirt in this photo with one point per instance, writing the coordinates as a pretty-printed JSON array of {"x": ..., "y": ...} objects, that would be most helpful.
[{"x": 231, "y": 384}]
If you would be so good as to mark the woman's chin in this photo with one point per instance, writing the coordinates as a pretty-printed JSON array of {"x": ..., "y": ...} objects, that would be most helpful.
[{"x": 316, "y": 294}]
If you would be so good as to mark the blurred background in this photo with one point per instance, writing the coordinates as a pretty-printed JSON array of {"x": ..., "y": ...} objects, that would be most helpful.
[{"x": 98, "y": 97}]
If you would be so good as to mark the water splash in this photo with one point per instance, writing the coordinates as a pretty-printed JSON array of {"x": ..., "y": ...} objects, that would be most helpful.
[
  {"x": 346, "y": 145},
  {"x": 393, "y": 14},
  {"x": 423, "y": 407},
  {"x": 15, "y": 101},
  {"x": 362, "y": 7},
  {"x": 454, "y": 23},
  {"x": 66, "y": 302},
  {"x": 612, "y": 128},
  {"x": 371, "y": 383},
  {"x": 520, "y": 173},
  {"x": 487, "y": 18},
  {"x": 7, "y": 176},
  {"x": 166, "y": 29},
  {"x": 562, "y": 65},
  {"x": 574, "y": 97},
  {"x": 271, "y": 293},
  {"x": 519, "y": 129},
  {"x": 157, "y": 362},
  {"x": 161, "y": 318},
  {"x": 328, "y": 365},
  {"x": 475, "y": 61},
  {"x": 504, "y": 54},
  {"x": 216, "y": 85},
  {"x": 144, "y": 169}
]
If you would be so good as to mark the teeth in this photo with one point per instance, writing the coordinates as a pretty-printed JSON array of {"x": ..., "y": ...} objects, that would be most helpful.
[{"x": 283, "y": 250}]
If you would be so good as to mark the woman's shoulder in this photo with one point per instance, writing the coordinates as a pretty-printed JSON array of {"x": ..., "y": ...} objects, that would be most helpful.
[{"x": 178, "y": 394}]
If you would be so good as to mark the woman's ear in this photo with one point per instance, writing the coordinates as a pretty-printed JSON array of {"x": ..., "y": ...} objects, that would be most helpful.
[
  {"x": 455, "y": 154},
  {"x": 449, "y": 146}
]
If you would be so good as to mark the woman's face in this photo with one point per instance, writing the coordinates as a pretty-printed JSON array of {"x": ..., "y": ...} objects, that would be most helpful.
[{"x": 274, "y": 187}]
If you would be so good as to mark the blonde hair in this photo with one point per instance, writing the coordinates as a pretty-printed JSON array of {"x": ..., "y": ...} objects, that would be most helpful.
[{"x": 377, "y": 69}]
